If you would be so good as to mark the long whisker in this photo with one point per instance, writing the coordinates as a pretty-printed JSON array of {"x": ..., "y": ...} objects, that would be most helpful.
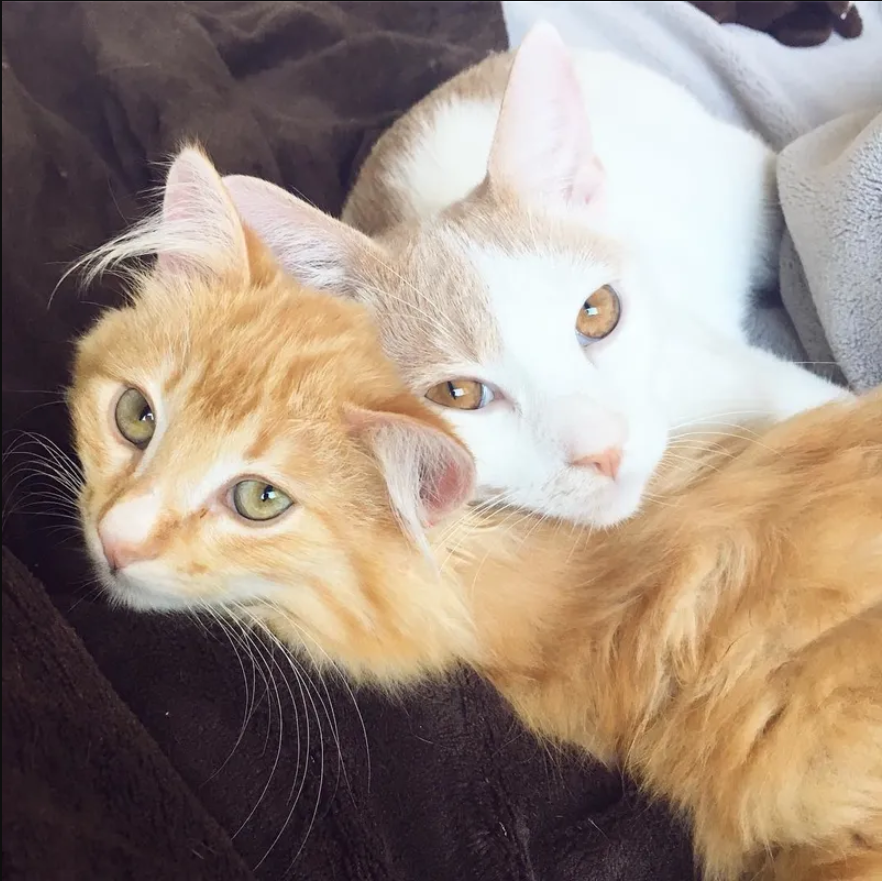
[
  {"x": 274, "y": 640},
  {"x": 267, "y": 660}
]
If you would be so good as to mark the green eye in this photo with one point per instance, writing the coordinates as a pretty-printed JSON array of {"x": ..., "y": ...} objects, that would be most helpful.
[
  {"x": 135, "y": 419},
  {"x": 258, "y": 500}
]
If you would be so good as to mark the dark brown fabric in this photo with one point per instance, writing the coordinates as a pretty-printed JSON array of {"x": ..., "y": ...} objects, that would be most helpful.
[
  {"x": 155, "y": 747},
  {"x": 807, "y": 23},
  {"x": 111, "y": 796}
]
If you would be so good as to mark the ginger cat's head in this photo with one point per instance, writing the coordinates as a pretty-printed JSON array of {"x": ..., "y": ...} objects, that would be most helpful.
[
  {"x": 512, "y": 312},
  {"x": 247, "y": 446}
]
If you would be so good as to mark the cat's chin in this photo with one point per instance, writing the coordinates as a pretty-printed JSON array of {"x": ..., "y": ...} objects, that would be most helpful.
[
  {"x": 141, "y": 595},
  {"x": 618, "y": 503},
  {"x": 610, "y": 503},
  {"x": 595, "y": 507}
]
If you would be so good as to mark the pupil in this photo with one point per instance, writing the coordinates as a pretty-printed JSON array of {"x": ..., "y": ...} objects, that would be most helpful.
[
  {"x": 268, "y": 494},
  {"x": 591, "y": 310},
  {"x": 146, "y": 415},
  {"x": 455, "y": 390}
]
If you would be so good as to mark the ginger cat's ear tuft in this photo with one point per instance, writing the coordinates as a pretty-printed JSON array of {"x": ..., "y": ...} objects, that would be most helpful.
[
  {"x": 543, "y": 148},
  {"x": 316, "y": 249},
  {"x": 199, "y": 228},
  {"x": 428, "y": 471}
]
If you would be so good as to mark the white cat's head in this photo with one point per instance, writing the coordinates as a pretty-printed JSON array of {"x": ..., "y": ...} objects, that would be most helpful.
[{"x": 511, "y": 311}]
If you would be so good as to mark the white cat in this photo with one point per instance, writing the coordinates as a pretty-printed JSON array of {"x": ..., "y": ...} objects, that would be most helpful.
[{"x": 569, "y": 293}]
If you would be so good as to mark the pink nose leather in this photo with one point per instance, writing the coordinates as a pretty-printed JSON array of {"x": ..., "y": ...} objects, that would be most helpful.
[
  {"x": 118, "y": 553},
  {"x": 606, "y": 462}
]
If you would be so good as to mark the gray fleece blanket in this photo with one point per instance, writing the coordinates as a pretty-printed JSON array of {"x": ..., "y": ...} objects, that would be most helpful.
[
  {"x": 822, "y": 109},
  {"x": 830, "y": 184}
]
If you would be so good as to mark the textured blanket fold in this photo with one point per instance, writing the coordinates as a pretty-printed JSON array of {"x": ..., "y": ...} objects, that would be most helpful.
[{"x": 830, "y": 183}]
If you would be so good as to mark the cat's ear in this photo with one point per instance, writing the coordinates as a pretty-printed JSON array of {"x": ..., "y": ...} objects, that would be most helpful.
[
  {"x": 316, "y": 249},
  {"x": 428, "y": 471},
  {"x": 542, "y": 147},
  {"x": 199, "y": 229}
]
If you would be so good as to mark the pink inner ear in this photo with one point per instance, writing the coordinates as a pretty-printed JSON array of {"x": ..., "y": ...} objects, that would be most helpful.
[
  {"x": 199, "y": 221},
  {"x": 429, "y": 473},
  {"x": 314, "y": 247},
  {"x": 449, "y": 488},
  {"x": 543, "y": 146}
]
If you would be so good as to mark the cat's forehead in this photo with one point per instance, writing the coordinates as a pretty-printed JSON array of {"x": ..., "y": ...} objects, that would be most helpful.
[
  {"x": 500, "y": 221},
  {"x": 442, "y": 299},
  {"x": 431, "y": 303},
  {"x": 228, "y": 357}
]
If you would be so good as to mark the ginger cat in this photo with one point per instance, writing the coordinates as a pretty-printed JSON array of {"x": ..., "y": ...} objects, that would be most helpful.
[{"x": 247, "y": 447}]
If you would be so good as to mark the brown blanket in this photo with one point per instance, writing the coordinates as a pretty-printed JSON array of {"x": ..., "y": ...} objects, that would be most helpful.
[{"x": 148, "y": 747}]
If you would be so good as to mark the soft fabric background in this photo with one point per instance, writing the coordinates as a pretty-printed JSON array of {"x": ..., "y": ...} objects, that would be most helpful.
[{"x": 743, "y": 76}]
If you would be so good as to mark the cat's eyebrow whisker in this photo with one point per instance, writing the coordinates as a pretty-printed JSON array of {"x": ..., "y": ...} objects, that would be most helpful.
[{"x": 402, "y": 279}]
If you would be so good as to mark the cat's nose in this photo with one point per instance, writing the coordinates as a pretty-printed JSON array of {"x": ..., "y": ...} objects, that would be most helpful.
[
  {"x": 127, "y": 531},
  {"x": 120, "y": 553},
  {"x": 606, "y": 462}
]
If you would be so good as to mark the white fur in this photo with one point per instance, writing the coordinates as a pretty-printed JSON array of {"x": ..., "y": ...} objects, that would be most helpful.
[
  {"x": 561, "y": 402},
  {"x": 449, "y": 160},
  {"x": 692, "y": 196}
]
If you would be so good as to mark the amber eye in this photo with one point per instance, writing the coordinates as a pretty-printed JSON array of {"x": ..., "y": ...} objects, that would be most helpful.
[
  {"x": 598, "y": 316},
  {"x": 134, "y": 418},
  {"x": 259, "y": 500},
  {"x": 461, "y": 394}
]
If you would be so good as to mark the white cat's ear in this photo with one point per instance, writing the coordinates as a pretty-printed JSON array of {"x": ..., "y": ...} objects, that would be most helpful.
[
  {"x": 199, "y": 229},
  {"x": 542, "y": 148},
  {"x": 428, "y": 471},
  {"x": 316, "y": 249}
]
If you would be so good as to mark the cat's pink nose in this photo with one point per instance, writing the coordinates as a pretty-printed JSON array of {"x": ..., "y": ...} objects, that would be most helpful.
[
  {"x": 127, "y": 531},
  {"x": 118, "y": 552},
  {"x": 607, "y": 462}
]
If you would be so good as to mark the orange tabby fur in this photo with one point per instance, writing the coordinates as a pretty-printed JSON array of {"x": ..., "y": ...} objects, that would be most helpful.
[{"x": 725, "y": 646}]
